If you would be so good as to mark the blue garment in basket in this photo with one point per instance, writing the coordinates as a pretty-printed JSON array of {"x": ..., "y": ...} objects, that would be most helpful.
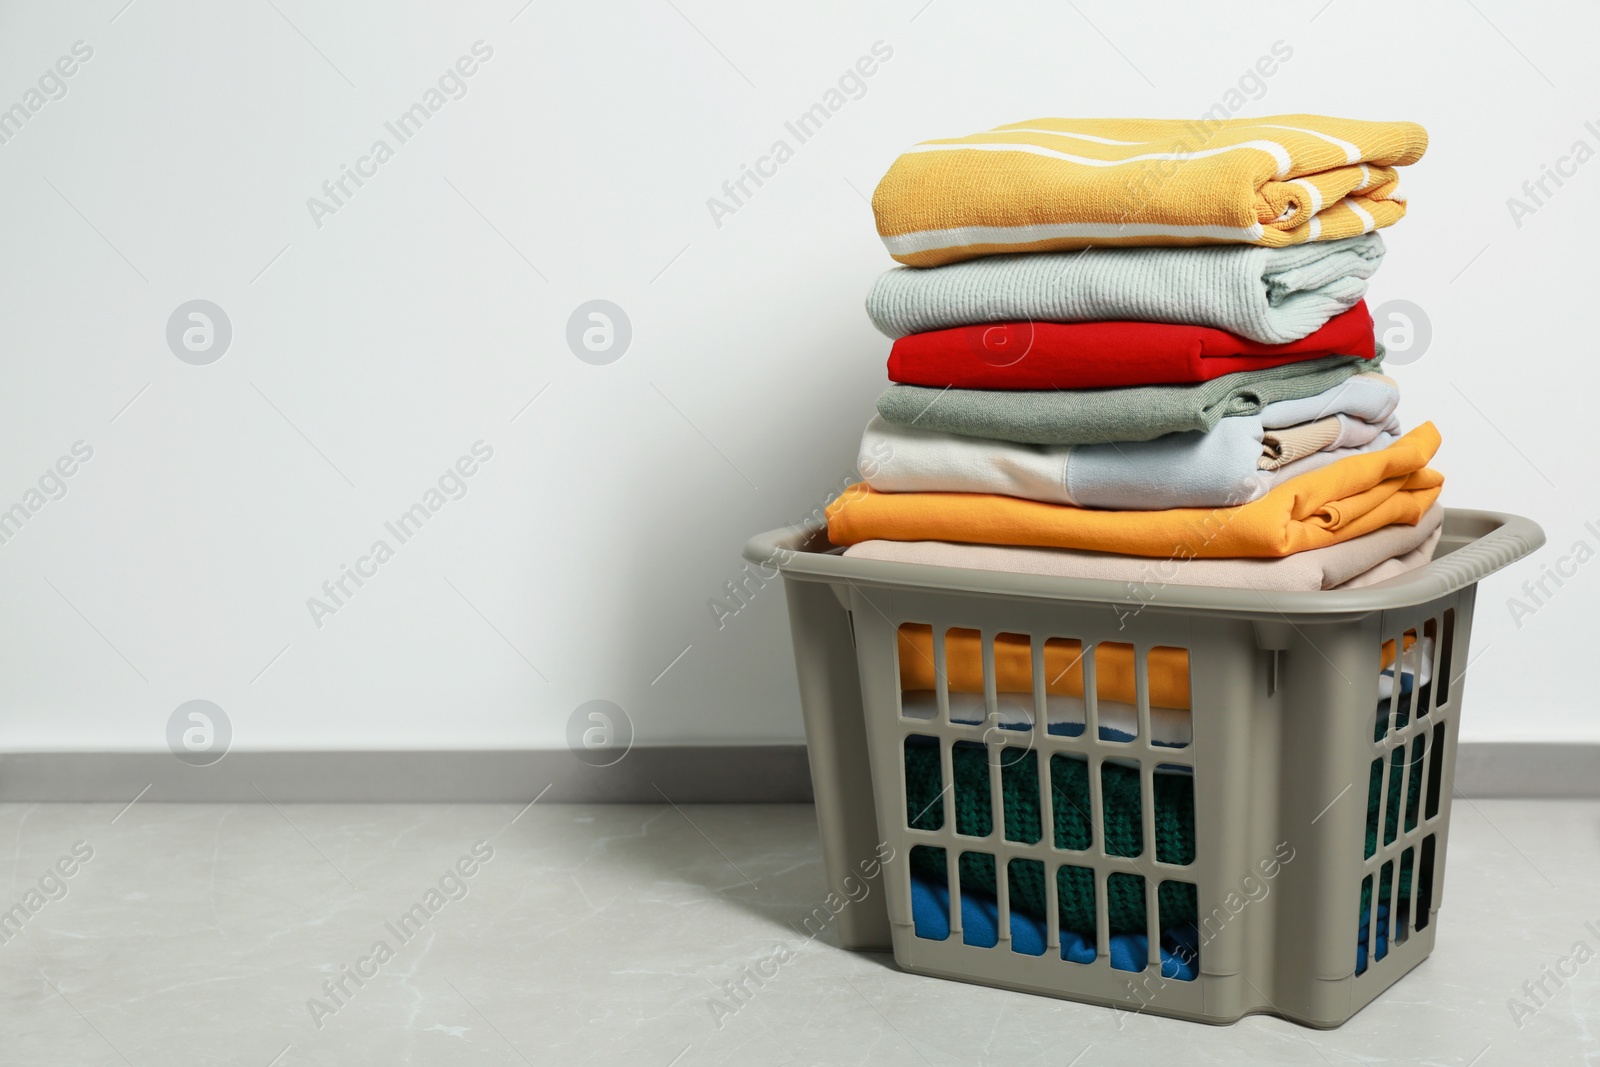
[
  {"x": 1361, "y": 938},
  {"x": 980, "y": 927}
]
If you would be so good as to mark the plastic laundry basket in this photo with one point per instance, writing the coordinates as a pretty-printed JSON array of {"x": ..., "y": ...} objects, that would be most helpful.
[{"x": 1313, "y": 819}]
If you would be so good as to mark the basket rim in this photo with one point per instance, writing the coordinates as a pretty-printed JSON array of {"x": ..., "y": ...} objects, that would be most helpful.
[{"x": 1473, "y": 546}]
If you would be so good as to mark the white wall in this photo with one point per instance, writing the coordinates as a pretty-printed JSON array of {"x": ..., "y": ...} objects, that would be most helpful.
[{"x": 380, "y": 345}]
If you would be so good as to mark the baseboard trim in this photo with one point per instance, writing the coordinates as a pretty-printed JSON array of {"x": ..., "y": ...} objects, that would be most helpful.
[
  {"x": 684, "y": 775},
  {"x": 703, "y": 774},
  {"x": 1528, "y": 769}
]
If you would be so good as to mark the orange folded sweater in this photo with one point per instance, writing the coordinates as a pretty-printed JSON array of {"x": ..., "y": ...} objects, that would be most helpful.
[
  {"x": 1335, "y": 503},
  {"x": 1167, "y": 669}
]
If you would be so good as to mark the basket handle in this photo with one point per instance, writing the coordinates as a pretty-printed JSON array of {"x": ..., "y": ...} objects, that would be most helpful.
[
  {"x": 779, "y": 546},
  {"x": 1515, "y": 538}
]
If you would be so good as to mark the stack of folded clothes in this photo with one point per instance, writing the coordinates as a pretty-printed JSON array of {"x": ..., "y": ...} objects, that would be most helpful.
[
  {"x": 1121, "y": 354},
  {"x": 1125, "y": 350}
]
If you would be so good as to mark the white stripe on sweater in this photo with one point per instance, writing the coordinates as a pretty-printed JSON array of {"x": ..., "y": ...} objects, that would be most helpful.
[
  {"x": 1312, "y": 191},
  {"x": 1352, "y": 154},
  {"x": 1279, "y": 154},
  {"x": 1064, "y": 133},
  {"x": 961, "y": 236},
  {"x": 1368, "y": 223}
]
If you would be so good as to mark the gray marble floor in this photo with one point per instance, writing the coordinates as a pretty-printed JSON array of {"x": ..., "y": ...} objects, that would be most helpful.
[{"x": 205, "y": 934}]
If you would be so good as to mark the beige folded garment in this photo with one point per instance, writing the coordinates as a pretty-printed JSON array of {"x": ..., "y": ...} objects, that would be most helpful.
[
  {"x": 1282, "y": 447},
  {"x": 1406, "y": 561},
  {"x": 1351, "y": 564}
]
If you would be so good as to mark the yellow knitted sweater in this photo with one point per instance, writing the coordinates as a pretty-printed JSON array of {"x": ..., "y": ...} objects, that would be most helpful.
[{"x": 1051, "y": 184}]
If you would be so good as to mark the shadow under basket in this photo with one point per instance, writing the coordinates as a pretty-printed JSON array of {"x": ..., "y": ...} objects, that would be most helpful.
[{"x": 1200, "y": 803}]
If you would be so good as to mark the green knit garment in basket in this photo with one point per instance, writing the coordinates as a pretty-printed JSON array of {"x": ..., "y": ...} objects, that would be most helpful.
[
  {"x": 1069, "y": 775},
  {"x": 1391, "y": 819},
  {"x": 1070, "y": 806}
]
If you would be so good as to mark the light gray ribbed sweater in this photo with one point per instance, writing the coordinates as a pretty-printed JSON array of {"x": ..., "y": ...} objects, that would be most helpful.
[
  {"x": 1096, "y": 416},
  {"x": 1271, "y": 295}
]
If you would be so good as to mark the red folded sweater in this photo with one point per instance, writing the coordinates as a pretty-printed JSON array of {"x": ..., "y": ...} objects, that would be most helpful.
[{"x": 1101, "y": 355}]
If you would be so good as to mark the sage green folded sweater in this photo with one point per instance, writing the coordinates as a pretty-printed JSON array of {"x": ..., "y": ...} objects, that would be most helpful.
[
  {"x": 1097, "y": 416},
  {"x": 1271, "y": 295}
]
